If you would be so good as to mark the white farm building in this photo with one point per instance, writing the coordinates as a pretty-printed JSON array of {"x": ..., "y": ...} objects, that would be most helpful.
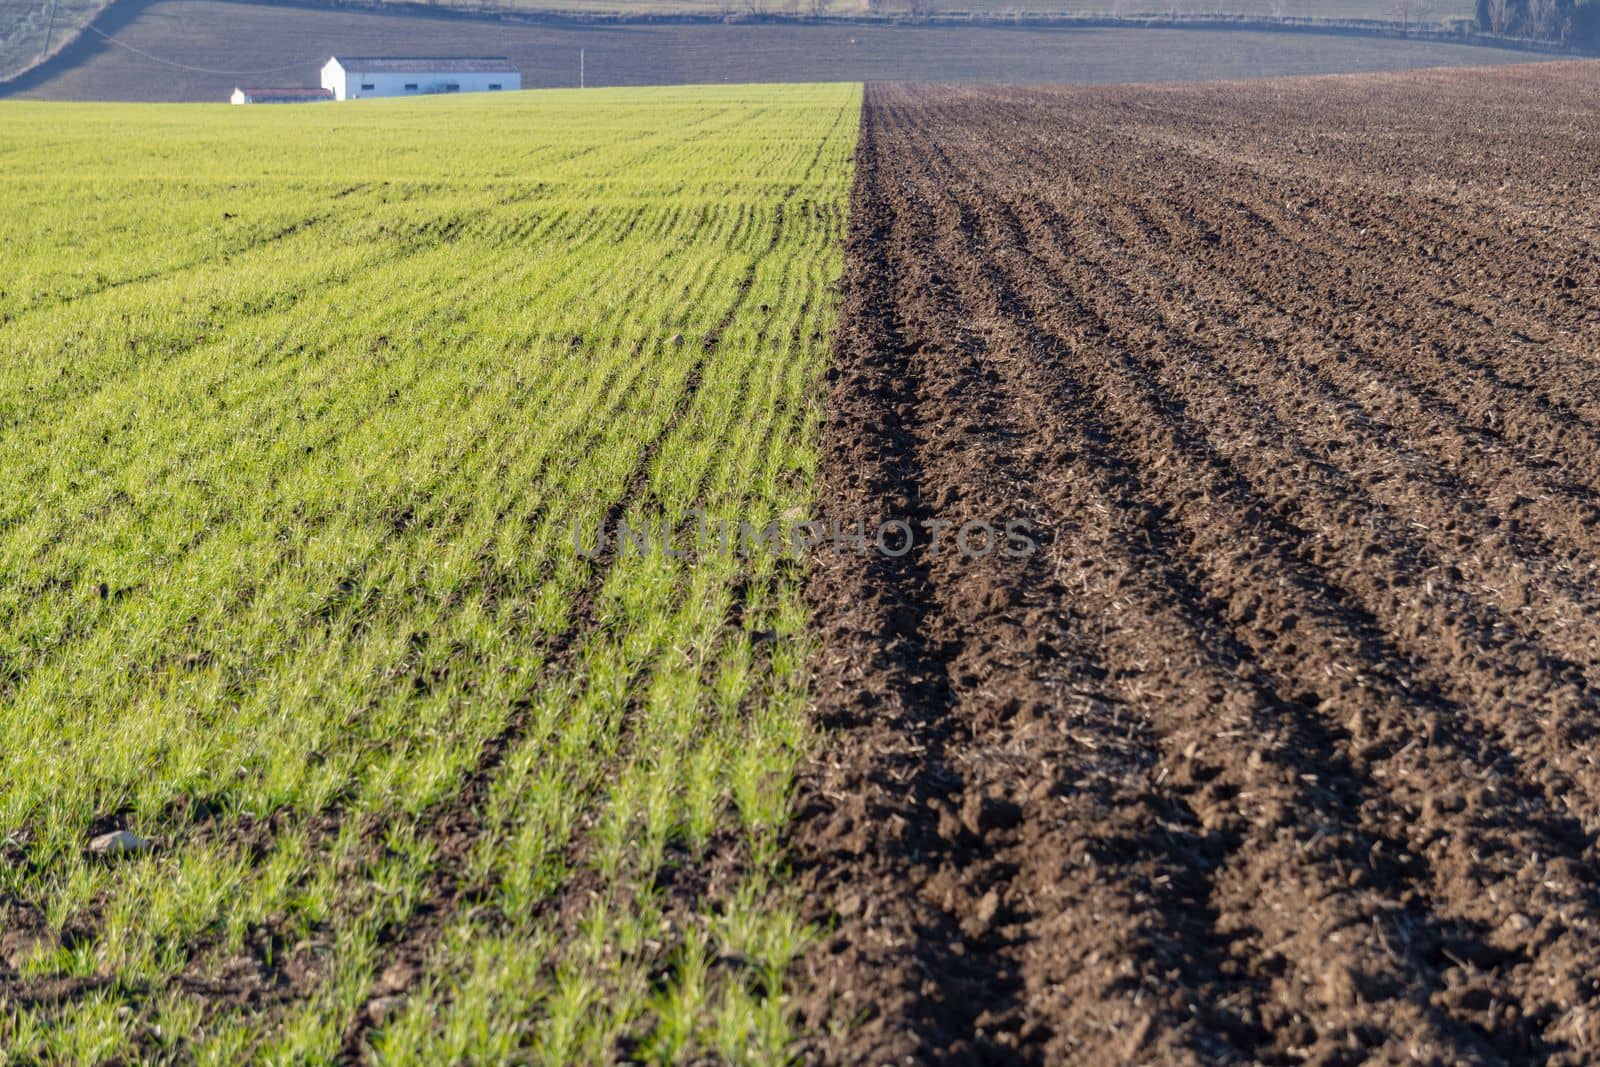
[
  {"x": 357, "y": 77},
  {"x": 279, "y": 96}
]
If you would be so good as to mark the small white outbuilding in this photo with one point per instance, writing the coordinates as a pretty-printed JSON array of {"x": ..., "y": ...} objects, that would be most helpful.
[
  {"x": 357, "y": 77},
  {"x": 279, "y": 96}
]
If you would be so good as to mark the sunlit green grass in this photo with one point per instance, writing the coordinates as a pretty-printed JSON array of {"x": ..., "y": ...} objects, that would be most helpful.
[{"x": 297, "y": 407}]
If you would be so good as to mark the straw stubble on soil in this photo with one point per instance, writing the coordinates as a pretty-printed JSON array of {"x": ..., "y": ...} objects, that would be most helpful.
[{"x": 1279, "y": 749}]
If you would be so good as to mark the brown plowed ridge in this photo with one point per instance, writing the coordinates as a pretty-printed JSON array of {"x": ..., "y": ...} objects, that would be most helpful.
[{"x": 1281, "y": 747}]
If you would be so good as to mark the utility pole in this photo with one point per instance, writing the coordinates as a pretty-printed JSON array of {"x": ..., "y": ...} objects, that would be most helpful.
[
  {"x": 580, "y": 68},
  {"x": 49, "y": 30}
]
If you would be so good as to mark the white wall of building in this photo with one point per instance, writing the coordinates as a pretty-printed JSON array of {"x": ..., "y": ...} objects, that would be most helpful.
[
  {"x": 333, "y": 78},
  {"x": 356, "y": 85}
]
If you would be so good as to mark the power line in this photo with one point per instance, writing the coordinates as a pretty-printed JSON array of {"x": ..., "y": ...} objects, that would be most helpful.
[
  {"x": 49, "y": 29},
  {"x": 198, "y": 70}
]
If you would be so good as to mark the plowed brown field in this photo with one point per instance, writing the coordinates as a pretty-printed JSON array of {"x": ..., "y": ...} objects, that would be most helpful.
[{"x": 1281, "y": 748}]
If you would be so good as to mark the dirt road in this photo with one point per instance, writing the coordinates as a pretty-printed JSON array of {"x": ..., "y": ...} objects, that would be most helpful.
[{"x": 1280, "y": 748}]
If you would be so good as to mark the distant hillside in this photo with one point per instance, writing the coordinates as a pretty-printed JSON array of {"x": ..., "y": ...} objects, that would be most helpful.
[
  {"x": 200, "y": 49},
  {"x": 31, "y": 28}
]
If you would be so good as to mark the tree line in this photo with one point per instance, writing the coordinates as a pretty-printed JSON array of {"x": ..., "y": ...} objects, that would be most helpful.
[{"x": 1558, "y": 21}]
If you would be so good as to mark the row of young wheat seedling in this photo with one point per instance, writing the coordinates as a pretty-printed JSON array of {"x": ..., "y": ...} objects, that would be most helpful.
[{"x": 298, "y": 557}]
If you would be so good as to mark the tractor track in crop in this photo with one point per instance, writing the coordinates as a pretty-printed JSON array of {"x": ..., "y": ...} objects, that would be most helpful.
[
  {"x": 405, "y": 957},
  {"x": 1277, "y": 749},
  {"x": 268, "y": 972},
  {"x": 271, "y": 974}
]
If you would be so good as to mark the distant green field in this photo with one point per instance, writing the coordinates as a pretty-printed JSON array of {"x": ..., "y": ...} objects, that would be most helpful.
[{"x": 297, "y": 409}]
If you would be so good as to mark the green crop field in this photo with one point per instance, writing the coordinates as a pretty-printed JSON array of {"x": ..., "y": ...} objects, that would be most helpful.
[{"x": 298, "y": 408}]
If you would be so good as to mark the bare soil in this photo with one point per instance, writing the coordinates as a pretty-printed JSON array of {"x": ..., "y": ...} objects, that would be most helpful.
[
  {"x": 1280, "y": 748},
  {"x": 184, "y": 50}
]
